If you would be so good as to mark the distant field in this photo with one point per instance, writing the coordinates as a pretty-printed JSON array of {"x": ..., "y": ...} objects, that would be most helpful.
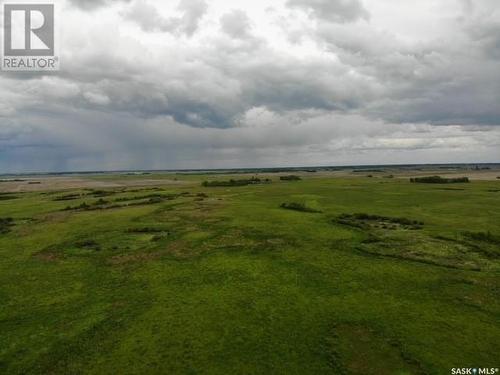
[{"x": 336, "y": 273}]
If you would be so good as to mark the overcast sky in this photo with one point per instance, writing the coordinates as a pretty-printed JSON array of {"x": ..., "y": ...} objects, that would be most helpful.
[{"x": 216, "y": 83}]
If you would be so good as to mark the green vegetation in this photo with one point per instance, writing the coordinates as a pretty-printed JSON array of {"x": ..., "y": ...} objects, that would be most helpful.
[
  {"x": 368, "y": 170},
  {"x": 7, "y": 196},
  {"x": 298, "y": 207},
  {"x": 290, "y": 178},
  {"x": 439, "y": 180},
  {"x": 67, "y": 197},
  {"x": 232, "y": 182},
  {"x": 5, "y": 224},
  {"x": 233, "y": 282},
  {"x": 366, "y": 220}
]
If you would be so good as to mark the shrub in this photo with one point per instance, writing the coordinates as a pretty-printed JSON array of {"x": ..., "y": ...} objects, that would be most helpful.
[
  {"x": 100, "y": 202},
  {"x": 290, "y": 178},
  {"x": 88, "y": 244},
  {"x": 154, "y": 200},
  {"x": 101, "y": 193},
  {"x": 7, "y": 196},
  {"x": 82, "y": 206},
  {"x": 298, "y": 207},
  {"x": 361, "y": 220},
  {"x": 483, "y": 236},
  {"x": 145, "y": 230},
  {"x": 5, "y": 224},
  {"x": 159, "y": 237},
  {"x": 439, "y": 180},
  {"x": 67, "y": 197},
  {"x": 232, "y": 182}
]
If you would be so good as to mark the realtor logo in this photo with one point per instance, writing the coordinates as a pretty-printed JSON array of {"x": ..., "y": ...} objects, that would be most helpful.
[{"x": 29, "y": 37}]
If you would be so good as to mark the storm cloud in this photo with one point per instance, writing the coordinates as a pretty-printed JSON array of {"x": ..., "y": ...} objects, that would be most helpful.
[{"x": 150, "y": 84}]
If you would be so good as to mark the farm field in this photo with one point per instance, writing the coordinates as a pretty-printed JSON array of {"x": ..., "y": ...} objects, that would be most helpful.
[{"x": 323, "y": 275}]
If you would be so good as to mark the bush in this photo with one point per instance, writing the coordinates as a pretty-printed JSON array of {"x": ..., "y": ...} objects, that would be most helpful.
[
  {"x": 361, "y": 220},
  {"x": 146, "y": 196},
  {"x": 298, "y": 207},
  {"x": 145, "y": 230},
  {"x": 244, "y": 182},
  {"x": 439, "y": 180},
  {"x": 101, "y": 193},
  {"x": 67, "y": 197},
  {"x": 290, "y": 178},
  {"x": 100, "y": 202},
  {"x": 88, "y": 244},
  {"x": 483, "y": 236},
  {"x": 5, "y": 224},
  {"x": 7, "y": 196},
  {"x": 83, "y": 206}
]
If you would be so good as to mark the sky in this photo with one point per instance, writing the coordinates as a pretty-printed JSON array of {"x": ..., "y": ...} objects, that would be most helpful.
[{"x": 190, "y": 84}]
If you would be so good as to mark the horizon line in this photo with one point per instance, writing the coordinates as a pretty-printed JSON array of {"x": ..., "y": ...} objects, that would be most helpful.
[{"x": 340, "y": 166}]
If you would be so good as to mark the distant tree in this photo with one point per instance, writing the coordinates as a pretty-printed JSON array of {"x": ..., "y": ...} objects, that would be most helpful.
[
  {"x": 439, "y": 180},
  {"x": 290, "y": 178}
]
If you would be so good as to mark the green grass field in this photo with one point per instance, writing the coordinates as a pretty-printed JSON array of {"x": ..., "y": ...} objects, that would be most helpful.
[{"x": 222, "y": 280}]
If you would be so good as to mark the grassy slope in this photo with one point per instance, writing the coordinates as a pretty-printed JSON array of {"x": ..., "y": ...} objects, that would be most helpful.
[{"x": 241, "y": 286}]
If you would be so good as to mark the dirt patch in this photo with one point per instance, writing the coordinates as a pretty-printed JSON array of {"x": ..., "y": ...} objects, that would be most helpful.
[
  {"x": 47, "y": 256},
  {"x": 181, "y": 249},
  {"x": 54, "y": 217}
]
